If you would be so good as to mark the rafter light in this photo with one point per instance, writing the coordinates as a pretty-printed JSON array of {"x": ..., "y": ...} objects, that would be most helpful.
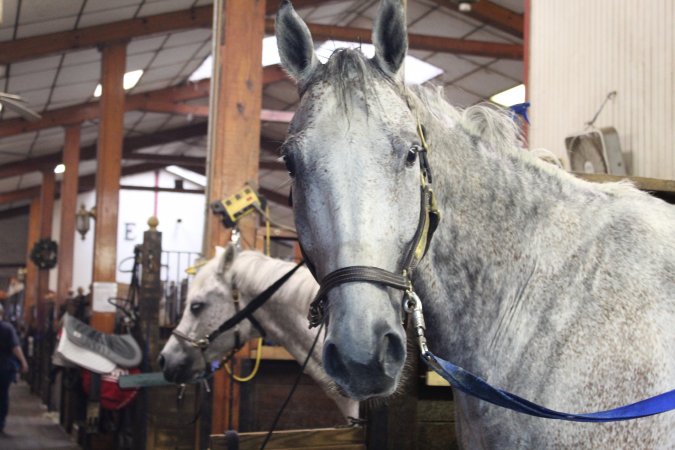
[{"x": 129, "y": 81}]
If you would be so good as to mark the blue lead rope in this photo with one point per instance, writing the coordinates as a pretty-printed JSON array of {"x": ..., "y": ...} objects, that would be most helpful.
[{"x": 472, "y": 385}]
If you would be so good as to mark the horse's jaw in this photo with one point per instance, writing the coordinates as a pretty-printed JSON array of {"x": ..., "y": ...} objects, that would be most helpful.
[
  {"x": 365, "y": 347},
  {"x": 180, "y": 364}
]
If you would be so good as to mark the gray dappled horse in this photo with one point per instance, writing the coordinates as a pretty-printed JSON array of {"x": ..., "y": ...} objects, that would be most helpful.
[
  {"x": 210, "y": 303},
  {"x": 556, "y": 289}
]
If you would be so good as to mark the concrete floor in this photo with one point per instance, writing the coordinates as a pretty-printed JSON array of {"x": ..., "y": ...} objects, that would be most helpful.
[{"x": 28, "y": 425}]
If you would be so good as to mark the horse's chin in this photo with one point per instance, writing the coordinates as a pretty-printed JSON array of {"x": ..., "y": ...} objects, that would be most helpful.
[
  {"x": 369, "y": 389},
  {"x": 181, "y": 376}
]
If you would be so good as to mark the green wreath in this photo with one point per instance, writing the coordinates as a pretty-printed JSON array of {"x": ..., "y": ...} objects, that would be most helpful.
[{"x": 44, "y": 253}]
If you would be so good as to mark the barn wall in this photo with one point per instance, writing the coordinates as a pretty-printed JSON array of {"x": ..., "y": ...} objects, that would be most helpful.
[{"x": 582, "y": 50}]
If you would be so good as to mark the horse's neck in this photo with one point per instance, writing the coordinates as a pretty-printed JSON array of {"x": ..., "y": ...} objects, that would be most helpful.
[
  {"x": 499, "y": 227},
  {"x": 283, "y": 316}
]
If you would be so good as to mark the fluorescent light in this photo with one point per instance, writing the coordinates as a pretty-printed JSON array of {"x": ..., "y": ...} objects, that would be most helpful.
[
  {"x": 204, "y": 70},
  {"x": 129, "y": 81},
  {"x": 416, "y": 70},
  {"x": 510, "y": 97},
  {"x": 60, "y": 168},
  {"x": 270, "y": 56},
  {"x": 270, "y": 52},
  {"x": 188, "y": 175}
]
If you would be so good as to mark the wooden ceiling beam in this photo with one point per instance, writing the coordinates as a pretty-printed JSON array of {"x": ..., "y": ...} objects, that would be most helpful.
[
  {"x": 130, "y": 145},
  {"x": 75, "y": 114},
  {"x": 416, "y": 41},
  {"x": 266, "y": 115},
  {"x": 100, "y": 35},
  {"x": 19, "y": 194},
  {"x": 178, "y": 160},
  {"x": 492, "y": 14},
  {"x": 105, "y": 34}
]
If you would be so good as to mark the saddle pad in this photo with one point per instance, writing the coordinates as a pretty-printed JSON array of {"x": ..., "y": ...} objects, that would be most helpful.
[
  {"x": 83, "y": 357},
  {"x": 122, "y": 350}
]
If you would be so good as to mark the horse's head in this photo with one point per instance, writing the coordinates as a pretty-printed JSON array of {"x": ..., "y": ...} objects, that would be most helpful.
[
  {"x": 210, "y": 301},
  {"x": 352, "y": 152}
]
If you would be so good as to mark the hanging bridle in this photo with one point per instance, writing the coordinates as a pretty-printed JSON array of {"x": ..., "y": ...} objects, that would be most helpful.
[{"x": 428, "y": 221}]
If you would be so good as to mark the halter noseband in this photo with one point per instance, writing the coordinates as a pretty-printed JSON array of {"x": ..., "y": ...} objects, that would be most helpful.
[{"x": 428, "y": 221}]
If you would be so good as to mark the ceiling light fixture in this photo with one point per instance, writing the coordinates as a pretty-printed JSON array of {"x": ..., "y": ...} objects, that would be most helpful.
[
  {"x": 510, "y": 97},
  {"x": 60, "y": 168},
  {"x": 129, "y": 81}
]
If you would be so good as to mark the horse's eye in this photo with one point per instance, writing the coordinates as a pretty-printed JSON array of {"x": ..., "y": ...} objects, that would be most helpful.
[
  {"x": 290, "y": 165},
  {"x": 195, "y": 307},
  {"x": 411, "y": 157}
]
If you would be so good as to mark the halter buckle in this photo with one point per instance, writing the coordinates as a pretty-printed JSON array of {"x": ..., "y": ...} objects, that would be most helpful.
[{"x": 200, "y": 343}]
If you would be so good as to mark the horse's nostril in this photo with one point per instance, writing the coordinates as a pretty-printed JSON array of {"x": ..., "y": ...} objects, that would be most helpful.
[
  {"x": 332, "y": 361},
  {"x": 161, "y": 361},
  {"x": 394, "y": 354}
]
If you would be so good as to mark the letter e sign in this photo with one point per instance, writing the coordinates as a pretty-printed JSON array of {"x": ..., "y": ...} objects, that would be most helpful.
[{"x": 129, "y": 228}]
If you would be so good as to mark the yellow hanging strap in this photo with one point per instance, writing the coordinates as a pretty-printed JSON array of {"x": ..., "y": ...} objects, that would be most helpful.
[
  {"x": 258, "y": 353},
  {"x": 256, "y": 366},
  {"x": 268, "y": 231}
]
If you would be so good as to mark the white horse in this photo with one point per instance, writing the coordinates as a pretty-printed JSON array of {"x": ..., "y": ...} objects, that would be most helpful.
[
  {"x": 556, "y": 289},
  {"x": 210, "y": 303}
]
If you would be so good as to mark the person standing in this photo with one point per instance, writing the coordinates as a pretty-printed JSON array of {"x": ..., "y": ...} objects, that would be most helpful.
[{"x": 11, "y": 359}]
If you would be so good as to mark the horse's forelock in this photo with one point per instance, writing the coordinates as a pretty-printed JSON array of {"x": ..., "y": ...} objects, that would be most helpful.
[{"x": 348, "y": 71}]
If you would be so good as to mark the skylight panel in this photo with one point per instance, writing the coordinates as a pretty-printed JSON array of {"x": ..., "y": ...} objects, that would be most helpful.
[{"x": 510, "y": 97}]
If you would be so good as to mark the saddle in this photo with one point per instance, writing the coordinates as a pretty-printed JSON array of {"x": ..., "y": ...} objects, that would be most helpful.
[{"x": 99, "y": 352}]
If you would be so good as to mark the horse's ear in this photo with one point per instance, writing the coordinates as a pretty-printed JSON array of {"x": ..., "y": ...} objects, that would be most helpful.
[
  {"x": 226, "y": 258},
  {"x": 390, "y": 37},
  {"x": 294, "y": 42}
]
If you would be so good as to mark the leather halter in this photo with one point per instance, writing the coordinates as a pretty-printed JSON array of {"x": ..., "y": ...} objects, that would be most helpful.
[
  {"x": 246, "y": 313},
  {"x": 428, "y": 221}
]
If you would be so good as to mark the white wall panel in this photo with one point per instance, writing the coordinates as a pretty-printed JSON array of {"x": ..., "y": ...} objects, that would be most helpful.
[{"x": 580, "y": 51}]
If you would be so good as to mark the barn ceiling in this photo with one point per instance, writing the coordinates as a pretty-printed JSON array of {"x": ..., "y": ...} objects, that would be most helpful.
[{"x": 62, "y": 80}]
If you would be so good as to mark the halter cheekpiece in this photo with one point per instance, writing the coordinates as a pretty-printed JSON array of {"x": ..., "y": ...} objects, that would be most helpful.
[{"x": 428, "y": 221}]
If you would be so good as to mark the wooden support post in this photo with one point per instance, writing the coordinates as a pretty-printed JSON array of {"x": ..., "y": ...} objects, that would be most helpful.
[
  {"x": 47, "y": 190},
  {"x": 71, "y": 159},
  {"x": 234, "y": 143},
  {"x": 31, "y": 281},
  {"x": 111, "y": 134}
]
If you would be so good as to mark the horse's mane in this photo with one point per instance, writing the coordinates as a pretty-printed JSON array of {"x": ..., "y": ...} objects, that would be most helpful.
[
  {"x": 255, "y": 272},
  {"x": 497, "y": 130}
]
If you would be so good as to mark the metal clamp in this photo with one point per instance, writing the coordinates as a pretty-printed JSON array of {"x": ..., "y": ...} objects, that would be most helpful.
[{"x": 413, "y": 306}]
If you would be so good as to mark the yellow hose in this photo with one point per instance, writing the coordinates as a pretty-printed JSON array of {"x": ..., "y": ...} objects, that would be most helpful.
[{"x": 256, "y": 366}]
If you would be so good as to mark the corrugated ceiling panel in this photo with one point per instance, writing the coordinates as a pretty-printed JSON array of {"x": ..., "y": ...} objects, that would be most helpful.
[
  {"x": 145, "y": 45},
  {"x": 485, "y": 83},
  {"x": 79, "y": 72},
  {"x": 162, "y": 6},
  {"x": 111, "y": 15},
  {"x": 171, "y": 56},
  {"x": 104, "y": 5},
  {"x": 49, "y": 26},
  {"x": 511, "y": 68},
  {"x": 48, "y": 11},
  {"x": 35, "y": 65},
  {"x": 31, "y": 81},
  {"x": 79, "y": 93},
  {"x": 441, "y": 24},
  {"x": 82, "y": 57},
  {"x": 188, "y": 37}
]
